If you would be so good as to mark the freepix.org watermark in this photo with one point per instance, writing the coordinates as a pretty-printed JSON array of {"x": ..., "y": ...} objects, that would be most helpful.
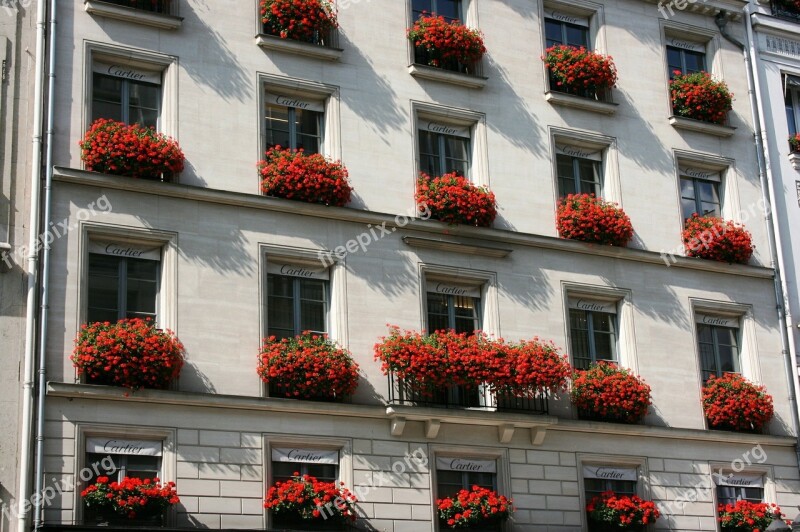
[
  {"x": 372, "y": 234},
  {"x": 667, "y": 9},
  {"x": 57, "y": 230}
]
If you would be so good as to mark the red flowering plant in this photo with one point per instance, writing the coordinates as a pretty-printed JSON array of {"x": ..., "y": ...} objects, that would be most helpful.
[
  {"x": 308, "y": 366},
  {"x": 794, "y": 140},
  {"x": 130, "y": 498},
  {"x": 731, "y": 402},
  {"x": 589, "y": 219},
  {"x": 474, "y": 508},
  {"x": 444, "y": 44},
  {"x": 746, "y": 516},
  {"x": 700, "y": 97},
  {"x": 580, "y": 71},
  {"x": 117, "y": 148},
  {"x": 708, "y": 237},
  {"x": 609, "y": 511},
  {"x": 527, "y": 368},
  {"x": 309, "y": 500},
  {"x": 453, "y": 199},
  {"x": 295, "y": 175},
  {"x": 610, "y": 393},
  {"x": 131, "y": 353},
  {"x": 790, "y": 6},
  {"x": 299, "y": 20}
]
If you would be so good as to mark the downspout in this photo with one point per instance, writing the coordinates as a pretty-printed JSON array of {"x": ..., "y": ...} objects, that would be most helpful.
[
  {"x": 768, "y": 199},
  {"x": 45, "y": 299},
  {"x": 26, "y": 432}
]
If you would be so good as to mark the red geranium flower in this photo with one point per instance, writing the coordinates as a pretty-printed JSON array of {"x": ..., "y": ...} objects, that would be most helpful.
[
  {"x": 622, "y": 511},
  {"x": 580, "y": 71},
  {"x": 311, "y": 500},
  {"x": 292, "y": 174},
  {"x": 700, "y": 97},
  {"x": 452, "y": 199},
  {"x": 713, "y": 238},
  {"x": 131, "y": 497},
  {"x": 731, "y": 402},
  {"x": 445, "y": 41},
  {"x": 589, "y": 219},
  {"x": 478, "y": 507},
  {"x": 611, "y": 393},
  {"x": 300, "y": 20},
  {"x": 746, "y": 516}
]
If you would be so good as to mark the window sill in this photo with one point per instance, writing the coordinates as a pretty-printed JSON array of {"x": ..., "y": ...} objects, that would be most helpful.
[
  {"x": 577, "y": 102},
  {"x": 5, "y": 247},
  {"x": 289, "y": 46},
  {"x": 689, "y": 124},
  {"x": 447, "y": 76},
  {"x": 128, "y": 14},
  {"x": 794, "y": 158}
]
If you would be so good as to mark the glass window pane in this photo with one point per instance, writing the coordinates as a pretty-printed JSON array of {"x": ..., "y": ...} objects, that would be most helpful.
[
  {"x": 674, "y": 61},
  {"x": 277, "y": 127},
  {"x": 103, "y": 288},
  {"x": 106, "y": 88},
  {"x": 449, "y": 9},
  {"x": 791, "y": 119},
  {"x": 448, "y": 483},
  {"x": 144, "y": 117},
  {"x": 312, "y": 289},
  {"x": 141, "y": 297},
  {"x": 280, "y": 313},
  {"x": 312, "y": 316},
  {"x": 589, "y": 173},
  {"x": 323, "y": 472},
  {"x": 459, "y": 167},
  {"x": 307, "y": 124},
  {"x": 708, "y": 361},
  {"x": 438, "y": 313},
  {"x": 112, "y": 111},
  {"x": 577, "y": 35},
  {"x": 579, "y": 338},
  {"x": 456, "y": 147},
  {"x": 553, "y": 32},
  {"x": 420, "y": 6},
  {"x": 695, "y": 61},
  {"x": 145, "y": 95},
  {"x": 484, "y": 480},
  {"x": 708, "y": 191}
]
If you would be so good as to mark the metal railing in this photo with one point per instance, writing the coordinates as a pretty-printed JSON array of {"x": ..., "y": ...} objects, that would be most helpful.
[
  {"x": 477, "y": 397},
  {"x": 421, "y": 57},
  {"x": 327, "y": 39},
  {"x": 154, "y": 6},
  {"x": 782, "y": 9}
]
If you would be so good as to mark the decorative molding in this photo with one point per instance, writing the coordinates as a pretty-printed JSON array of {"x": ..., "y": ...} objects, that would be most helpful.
[
  {"x": 290, "y": 46},
  {"x": 698, "y": 126},
  {"x": 457, "y": 247},
  {"x": 363, "y": 217},
  {"x": 129, "y": 14},
  {"x": 578, "y": 102},
  {"x": 794, "y": 158},
  {"x": 447, "y": 76},
  {"x": 432, "y": 427},
  {"x": 5, "y": 248}
]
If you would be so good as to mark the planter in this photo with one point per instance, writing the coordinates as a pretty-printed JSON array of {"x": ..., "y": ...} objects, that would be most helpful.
[
  {"x": 452, "y": 199},
  {"x": 294, "y": 175},
  {"x": 589, "y": 219},
  {"x": 448, "y": 45},
  {"x": 308, "y": 366},
  {"x": 712, "y": 238},
  {"x": 131, "y": 502},
  {"x": 700, "y": 97},
  {"x": 746, "y": 516},
  {"x": 116, "y": 148},
  {"x": 131, "y": 353},
  {"x": 475, "y": 509},
  {"x": 580, "y": 72},
  {"x": 310, "y": 21},
  {"x": 731, "y": 402},
  {"x": 607, "y": 511},
  {"x": 606, "y": 392},
  {"x": 293, "y": 502}
]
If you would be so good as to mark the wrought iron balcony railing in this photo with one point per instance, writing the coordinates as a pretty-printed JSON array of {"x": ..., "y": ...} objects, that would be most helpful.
[
  {"x": 327, "y": 39},
  {"x": 784, "y": 9}
]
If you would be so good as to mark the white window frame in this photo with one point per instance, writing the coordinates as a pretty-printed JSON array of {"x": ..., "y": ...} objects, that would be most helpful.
[
  {"x": 591, "y": 142},
  {"x": 168, "y": 437},
  {"x": 343, "y": 445},
  {"x": 673, "y": 33},
  {"x": 327, "y": 95},
  {"x": 611, "y": 460},
  {"x": 167, "y": 65},
  {"x": 486, "y": 281},
  {"x": 714, "y": 164}
]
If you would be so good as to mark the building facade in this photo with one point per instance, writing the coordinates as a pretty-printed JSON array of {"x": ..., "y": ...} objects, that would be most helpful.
[{"x": 223, "y": 266}]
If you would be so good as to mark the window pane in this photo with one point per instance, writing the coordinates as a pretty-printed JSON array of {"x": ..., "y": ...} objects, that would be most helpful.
[
  {"x": 307, "y": 124},
  {"x": 146, "y": 95},
  {"x": 429, "y": 153},
  {"x": 577, "y": 35},
  {"x": 438, "y": 316},
  {"x": 144, "y": 117},
  {"x": 448, "y": 484},
  {"x": 277, "y": 127},
  {"x": 579, "y": 338},
  {"x": 112, "y": 111},
  {"x": 323, "y": 472},
  {"x": 466, "y": 314},
  {"x": 449, "y": 9},
  {"x": 312, "y": 316},
  {"x": 106, "y": 88},
  {"x": 280, "y": 306},
  {"x": 312, "y": 289},
  {"x": 283, "y": 471},
  {"x": 605, "y": 338},
  {"x": 143, "y": 466},
  {"x": 674, "y": 61},
  {"x": 142, "y": 287},
  {"x": 456, "y": 151},
  {"x": 553, "y": 32},
  {"x": 103, "y": 288},
  {"x": 708, "y": 361},
  {"x": 418, "y": 6},
  {"x": 790, "y": 114},
  {"x": 484, "y": 480},
  {"x": 695, "y": 61},
  {"x": 589, "y": 172}
]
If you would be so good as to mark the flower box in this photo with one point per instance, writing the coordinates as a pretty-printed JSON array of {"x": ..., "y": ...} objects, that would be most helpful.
[
  {"x": 447, "y": 45},
  {"x": 580, "y": 72},
  {"x": 295, "y": 175},
  {"x": 131, "y": 353},
  {"x": 609, "y": 512},
  {"x": 305, "y": 503},
  {"x": 712, "y": 238},
  {"x": 308, "y": 21},
  {"x": 589, "y": 219},
  {"x": 564, "y": 99},
  {"x": 475, "y": 509},
  {"x": 700, "y": 97},
  {"x": 698, "y": 126},
  {"x": 607, "y": 392},
  {"x": 308, "y": 366},
  {"x": 452, "y": 199},
  {"x": 731, "y": 402},
  {"x": 746, "y": 516},
  {"x": 117, "y": 148},
  {"x": 129, "y": 502}
]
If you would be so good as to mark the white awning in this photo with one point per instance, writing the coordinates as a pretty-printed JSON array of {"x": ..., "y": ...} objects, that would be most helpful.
[
  {"x": 305, "y": 456},
  {"x": 122, "y": 446}
]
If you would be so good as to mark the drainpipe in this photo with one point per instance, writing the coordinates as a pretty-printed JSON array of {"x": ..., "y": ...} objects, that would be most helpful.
[
  {"x": 45, "y": 299},
  {"x": 26, "y": 432},
  {"x": 769, "y": 199}
]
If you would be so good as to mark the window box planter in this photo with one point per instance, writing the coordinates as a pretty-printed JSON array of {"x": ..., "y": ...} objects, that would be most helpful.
[
  {"x": 589, "y": 219},
  {"x": 448, "y": 46},
  {"x": 475, "y": 509},
  {"x": 701, "y": 98},
  {"x": 469, "y": 81},
  {"x": 131, "y": 353},
  {"x": 131, "y": 502},
  {"x": 161, "y": 17},
  {"x": 731, "y": 402},
  {"x": 607, "y": 511},
  {"x": 116, "y": 148},
  {"x": 563, "y": 99},
  {"x": 454, "y": 200},
  {"x": 710, "y": 238},
  {"x": 308, "y": 366},
  {"x": 606, "y": 392},
  {"x": 698, "y": 126},
  {"x": 293, "y": 503},
  {"x": 746, "y": 516},
  {"x": 580, "y": 72},
  {"x": 271, "y": 42},
  {"x": 311, "y": 178}
]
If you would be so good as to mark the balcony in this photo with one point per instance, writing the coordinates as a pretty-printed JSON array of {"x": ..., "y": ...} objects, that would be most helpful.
[{"x": 783, "y": 9}]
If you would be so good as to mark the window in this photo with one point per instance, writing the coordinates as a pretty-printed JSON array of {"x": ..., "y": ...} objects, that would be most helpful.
[
  {"x": 685, "y": 56},
  {"x": 293, "y": 122},
  {"x": 297, "y": 299},
  {"x": 156, "y": 6},
  {"x": 454, "y": 474},
  {"x": 700, "y": 193},
  {"x": 593, "y": 331},
  {"x": 123, "y": 281},
  {"x": 566, "y": 29},
  {"x": 601, "y": 478},
  {"x": 792, "y": 101},
  {"x": 449, "y": 9},
  {"x": 453, "y": 307},
  {"x": 126, "y": 93},
  {"x": 444, "y": 149},
  {"x": 735, "y": 487},
  {"x": 579, "y": 170},
  {"x": 718, "y": 343},
  {"x": 319, "y": 463}
]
